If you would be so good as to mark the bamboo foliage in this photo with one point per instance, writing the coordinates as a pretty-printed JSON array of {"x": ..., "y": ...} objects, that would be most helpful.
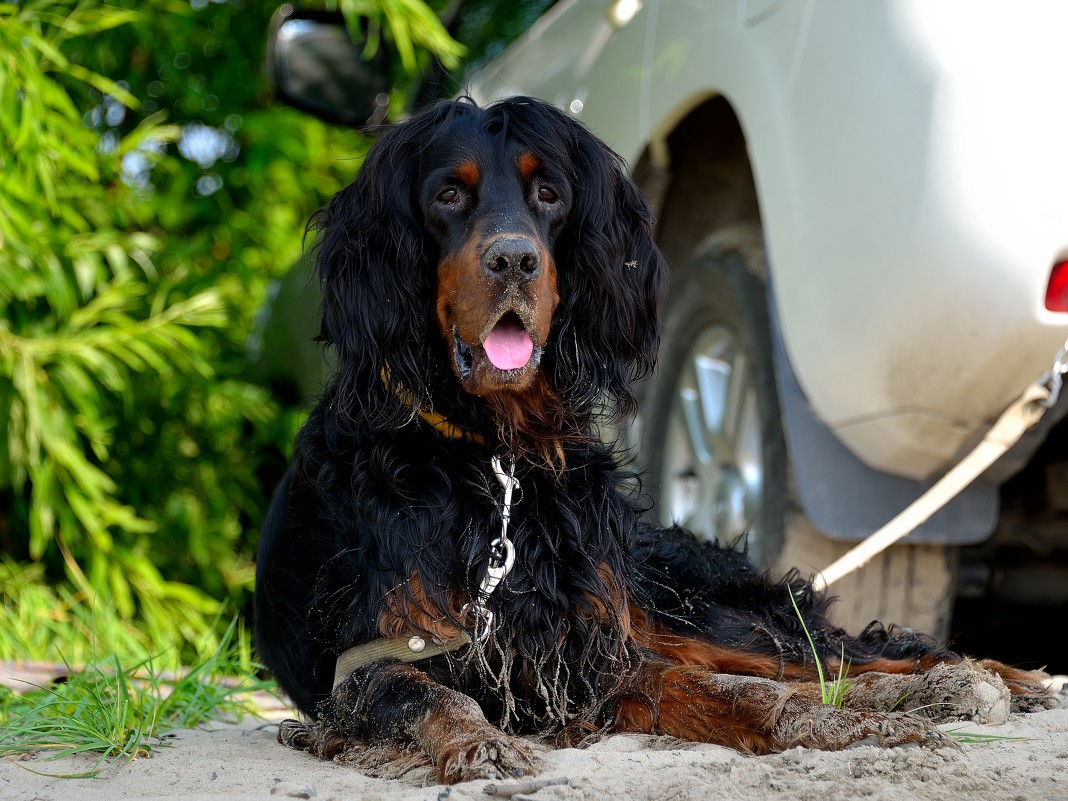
[
  {"x": 412, "y": 29},
  {"x": 136, "y": 456},
  {"x": 85, "y": 314}
]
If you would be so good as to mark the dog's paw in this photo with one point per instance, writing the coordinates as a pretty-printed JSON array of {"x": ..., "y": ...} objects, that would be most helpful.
[
  {"x": 959, "y": 691},
  {"x": 1037, "y": 700},
  {"x": 904, "y": 729},
  {"x": 295, "y": 734},
  {"x": 495, "y": 757},
  {"x": 317, "y": 739},
  {"x": 948, "y": 691},
  {"x": 832, "y": 729},
  {"x": 1031, "y": 690}
]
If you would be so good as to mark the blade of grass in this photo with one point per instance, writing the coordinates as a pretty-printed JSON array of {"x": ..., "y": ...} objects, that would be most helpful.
[
  {"x": 901, "y": 699},
  {"x": 824, "y": 694},
  {"x": 961, "y": 736},
  {"x": 840, "y": 686}
]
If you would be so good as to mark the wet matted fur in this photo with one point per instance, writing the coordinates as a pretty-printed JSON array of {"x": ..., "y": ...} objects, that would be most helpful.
[{"x": 490, "y": 284}]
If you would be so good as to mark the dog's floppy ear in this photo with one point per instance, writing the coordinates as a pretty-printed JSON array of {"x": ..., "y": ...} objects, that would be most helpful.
[
  {"x": 372, "y": 267},
  {"x": 611, "y": 278}
]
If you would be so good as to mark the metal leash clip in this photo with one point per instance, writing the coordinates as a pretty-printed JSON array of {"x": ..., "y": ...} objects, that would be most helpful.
[{"x": 502, "y": 556}]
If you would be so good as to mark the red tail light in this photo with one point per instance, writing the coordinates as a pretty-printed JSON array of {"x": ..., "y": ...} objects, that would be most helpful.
[{"x": 1057, "y": 288}]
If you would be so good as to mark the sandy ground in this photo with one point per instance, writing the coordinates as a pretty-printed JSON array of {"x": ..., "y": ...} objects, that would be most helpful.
[{"x": 243, "y": 761}]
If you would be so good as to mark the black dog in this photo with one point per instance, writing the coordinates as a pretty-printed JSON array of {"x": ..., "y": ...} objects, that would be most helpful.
[{"x": 490, "y": 284}]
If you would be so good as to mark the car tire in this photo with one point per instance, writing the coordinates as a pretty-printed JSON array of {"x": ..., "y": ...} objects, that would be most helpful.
[{"x": 711, "y": 440}]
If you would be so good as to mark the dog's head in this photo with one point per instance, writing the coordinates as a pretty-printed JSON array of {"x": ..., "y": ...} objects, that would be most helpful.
[
  {"x": 494, "y": 211},
  {"x": 495, "y": 250}
]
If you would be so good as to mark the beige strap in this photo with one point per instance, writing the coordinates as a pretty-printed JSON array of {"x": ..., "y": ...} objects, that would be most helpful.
[
  {"x": 410, "y": 650},
  {"x": 1019, "y": 417}
]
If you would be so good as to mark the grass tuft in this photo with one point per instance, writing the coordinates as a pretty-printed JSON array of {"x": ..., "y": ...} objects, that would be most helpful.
[
  {"x": 121, "y": 712},
  {"x": 832, "y": 691}
]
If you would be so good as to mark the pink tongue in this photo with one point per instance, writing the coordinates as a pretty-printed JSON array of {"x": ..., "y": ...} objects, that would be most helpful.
[{"x": 508, "y": 347}]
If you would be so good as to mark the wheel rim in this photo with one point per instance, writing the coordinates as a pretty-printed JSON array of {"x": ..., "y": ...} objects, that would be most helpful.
[{"x": 713, "y": 468}]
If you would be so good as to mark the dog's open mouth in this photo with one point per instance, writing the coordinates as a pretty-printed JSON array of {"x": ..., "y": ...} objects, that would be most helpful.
[{"x": 507, "y": 349}]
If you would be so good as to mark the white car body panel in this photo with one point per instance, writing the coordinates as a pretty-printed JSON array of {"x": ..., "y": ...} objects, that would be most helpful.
[{"x": 911, "y": 163}]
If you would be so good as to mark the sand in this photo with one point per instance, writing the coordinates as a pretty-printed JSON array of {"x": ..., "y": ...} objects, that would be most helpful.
[{"x": 235, "y": 762}]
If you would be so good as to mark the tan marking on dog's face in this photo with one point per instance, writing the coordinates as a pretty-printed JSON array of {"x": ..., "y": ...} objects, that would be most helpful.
[
  {"x": 528, "y": 165},
  {"x": 470, "y": 303},
  {"x": 476, "y": 208},
  {"x": 469, "y": 173}
]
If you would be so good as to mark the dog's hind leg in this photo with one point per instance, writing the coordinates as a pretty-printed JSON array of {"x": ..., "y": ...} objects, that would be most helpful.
[
  {"x": 396, "y": 705},
  {"x": 757, "y": 715}
]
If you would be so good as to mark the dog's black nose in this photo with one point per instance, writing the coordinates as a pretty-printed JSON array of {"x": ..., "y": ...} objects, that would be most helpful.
[{"x": 512, "y": 256}]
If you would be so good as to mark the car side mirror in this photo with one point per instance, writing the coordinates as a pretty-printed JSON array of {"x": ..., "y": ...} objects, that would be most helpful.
[{"x": 317, "y": 67}]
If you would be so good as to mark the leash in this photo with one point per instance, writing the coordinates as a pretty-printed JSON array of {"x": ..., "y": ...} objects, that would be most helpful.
[
  {"x": 410, "y": 650},
  {"x": 1024, "y": 413},
  {"x": 498, "y": 566}
]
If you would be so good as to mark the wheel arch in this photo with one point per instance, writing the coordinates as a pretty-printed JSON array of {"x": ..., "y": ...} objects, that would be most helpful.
[{"x": 699, "y": 178}]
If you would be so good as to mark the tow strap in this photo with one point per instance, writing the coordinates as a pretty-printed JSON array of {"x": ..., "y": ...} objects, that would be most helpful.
[{"x": 1025, "y": 412}]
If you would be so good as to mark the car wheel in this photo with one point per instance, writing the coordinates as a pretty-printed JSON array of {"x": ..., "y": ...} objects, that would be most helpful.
[
  {"x": 712, "y": 442},
  {"x": 712, "y": 439}
]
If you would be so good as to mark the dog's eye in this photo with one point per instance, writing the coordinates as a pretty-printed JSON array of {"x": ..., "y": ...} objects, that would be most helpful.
[
  {"x": 448, "y": 197},
  {"x": 546, "y": 195}
]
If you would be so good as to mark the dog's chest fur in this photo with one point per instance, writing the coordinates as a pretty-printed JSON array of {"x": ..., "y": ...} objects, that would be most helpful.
[{"x": 412, "y": 543}]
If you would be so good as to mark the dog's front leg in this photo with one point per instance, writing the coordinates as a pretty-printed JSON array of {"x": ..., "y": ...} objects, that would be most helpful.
[
  {"x": 397, "y": 703},
  {"x": 754, "y": 714}
]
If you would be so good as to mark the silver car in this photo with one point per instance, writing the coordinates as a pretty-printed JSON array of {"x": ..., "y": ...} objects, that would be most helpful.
[{"x": 863, "y": 205}]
